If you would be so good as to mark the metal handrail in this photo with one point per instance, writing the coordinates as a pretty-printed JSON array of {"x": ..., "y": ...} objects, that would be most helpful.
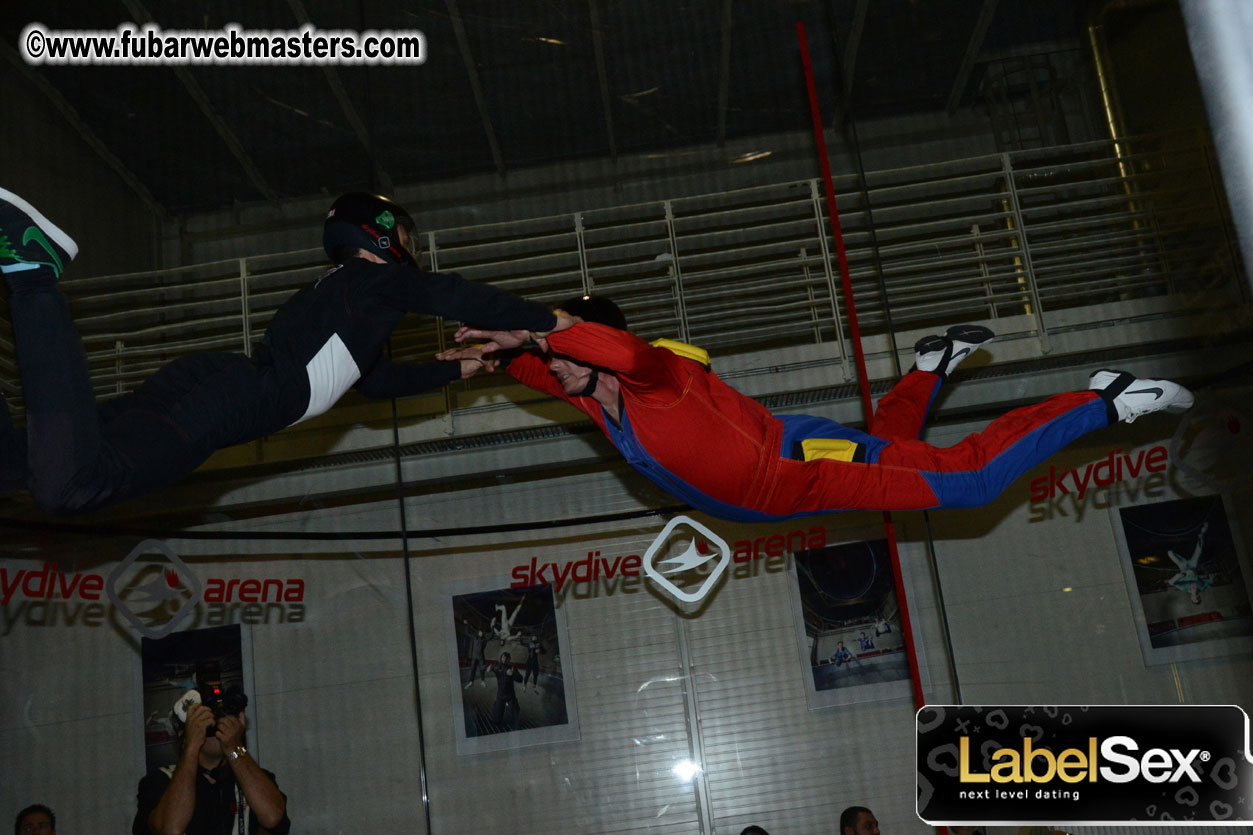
[{"x": 986, "y": 237}]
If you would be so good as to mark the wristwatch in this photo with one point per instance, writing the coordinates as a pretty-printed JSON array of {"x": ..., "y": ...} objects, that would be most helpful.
[{"x": 237, "y": 753}]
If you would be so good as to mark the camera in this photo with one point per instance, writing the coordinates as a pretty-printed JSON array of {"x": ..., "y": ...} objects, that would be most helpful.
[{"x": 222, "y": 700}]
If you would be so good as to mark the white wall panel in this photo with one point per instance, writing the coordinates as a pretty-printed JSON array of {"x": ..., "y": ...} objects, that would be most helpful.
[
  {"x": 340, "y": 712},
  {"x": 68, "y": 697},
  {"x": 770, "y": 759},
  {"x": 633, "y": 724}
]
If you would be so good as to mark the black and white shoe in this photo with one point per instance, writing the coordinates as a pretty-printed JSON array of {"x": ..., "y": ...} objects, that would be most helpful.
[
  {"x": 29, "y": 241},
  {"x": 1130, "y": 398},
  {"x": 941, "y": 354}
]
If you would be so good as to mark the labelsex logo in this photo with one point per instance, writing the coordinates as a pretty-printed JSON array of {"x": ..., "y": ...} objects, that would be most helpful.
[
  {"x": 693, "y": 557},
  {"x": 1011, "y": 765}
]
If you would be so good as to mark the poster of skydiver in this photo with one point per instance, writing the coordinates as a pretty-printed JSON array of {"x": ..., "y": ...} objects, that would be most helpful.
[
  {"x": 849, "y": 624},
  {"x": 1184, "y": 564},
  {"x": 509, "y": 668}
]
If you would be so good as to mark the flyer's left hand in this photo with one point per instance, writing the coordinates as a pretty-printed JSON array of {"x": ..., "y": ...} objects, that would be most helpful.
[{"x": 497, "y": 340}]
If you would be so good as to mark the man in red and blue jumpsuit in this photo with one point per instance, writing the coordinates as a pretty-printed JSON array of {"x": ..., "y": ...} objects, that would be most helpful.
[{"x": 724, "y": 453}]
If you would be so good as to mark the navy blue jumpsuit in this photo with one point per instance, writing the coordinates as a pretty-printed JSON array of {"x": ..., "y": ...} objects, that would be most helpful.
[{"x": 77, "y": 456}]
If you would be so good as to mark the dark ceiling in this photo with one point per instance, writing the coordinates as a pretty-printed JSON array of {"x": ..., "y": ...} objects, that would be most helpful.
[{"x": 646, "y": 76}]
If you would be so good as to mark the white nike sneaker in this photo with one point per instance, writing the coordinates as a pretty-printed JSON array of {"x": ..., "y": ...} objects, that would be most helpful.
[
  {"x": 942, "y": 354},
  {"x": 1132, "y": 397}
]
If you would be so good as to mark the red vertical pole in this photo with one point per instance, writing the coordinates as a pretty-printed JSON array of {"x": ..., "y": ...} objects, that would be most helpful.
[
  {"x": 859, "y": 355},
  {"x": 854, "y": 329}
]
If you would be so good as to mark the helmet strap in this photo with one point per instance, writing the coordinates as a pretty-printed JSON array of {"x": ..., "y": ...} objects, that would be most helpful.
[{"x": 592, "y": 382}]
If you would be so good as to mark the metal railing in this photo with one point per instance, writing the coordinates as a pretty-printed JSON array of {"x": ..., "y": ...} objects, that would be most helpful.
[{"x": 1022, "y": 234}]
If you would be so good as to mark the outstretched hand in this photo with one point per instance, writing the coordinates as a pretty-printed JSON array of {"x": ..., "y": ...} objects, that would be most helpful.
[
  {"x": 508, "y": 340},
  {"x": 472, "y": 360},
  {"x": 496, "y": 340}
]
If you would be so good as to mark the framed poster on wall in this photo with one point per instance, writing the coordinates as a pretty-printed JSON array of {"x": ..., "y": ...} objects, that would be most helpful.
[
  {"x": 848, "y": 623},
  {"x": 509, "y": 665},
  {"x": 1187, "y": 578}
]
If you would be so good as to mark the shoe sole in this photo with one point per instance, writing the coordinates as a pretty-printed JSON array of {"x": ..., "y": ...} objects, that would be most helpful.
[
  {"x": 49, "y": 228},
  {"x": 970, "y": 334},
  {"x": 1119, "y": 376}
]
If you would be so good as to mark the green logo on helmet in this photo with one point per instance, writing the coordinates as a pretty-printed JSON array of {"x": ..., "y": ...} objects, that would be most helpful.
[{"x": 386, "y": 220}]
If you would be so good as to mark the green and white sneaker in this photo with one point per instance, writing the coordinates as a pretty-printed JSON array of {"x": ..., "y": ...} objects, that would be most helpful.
[{"x": 29, "y": 241}]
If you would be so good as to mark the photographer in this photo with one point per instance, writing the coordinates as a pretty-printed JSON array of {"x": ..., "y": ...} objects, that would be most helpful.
[{"x": 216, "y": 783}]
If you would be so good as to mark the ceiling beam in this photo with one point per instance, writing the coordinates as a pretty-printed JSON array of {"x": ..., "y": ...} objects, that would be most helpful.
[
  {"x": 724, "y": 73},
  {"x": 476, "y": 86},
  {"x": 972, "y": 52},
  {"x": 1025, "y": 50},
  {"x": 855, "y": 31},
  {"x": 37, "y": 80},
  {"x": 197, "y": 93},
  {"x": 382, "y": 179},
  {"x": 598, "y": 47}
]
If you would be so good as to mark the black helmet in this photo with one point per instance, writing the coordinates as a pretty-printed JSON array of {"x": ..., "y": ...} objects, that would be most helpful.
[
  {"x": 368, "y": 222},
  {"x": 599, "y": 309}
]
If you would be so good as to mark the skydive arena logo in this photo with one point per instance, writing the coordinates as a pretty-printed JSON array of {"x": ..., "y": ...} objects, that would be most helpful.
[
  {"x": 665, "y": 567},
  {"x": 1008, "y": 766},
  {"x": 152, "y": 590},
  {"x": 154, "y": 597}
]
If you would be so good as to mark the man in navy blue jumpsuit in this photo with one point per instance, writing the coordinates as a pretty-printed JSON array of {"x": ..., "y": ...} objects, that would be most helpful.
[{"x": 77, "y": 456}]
